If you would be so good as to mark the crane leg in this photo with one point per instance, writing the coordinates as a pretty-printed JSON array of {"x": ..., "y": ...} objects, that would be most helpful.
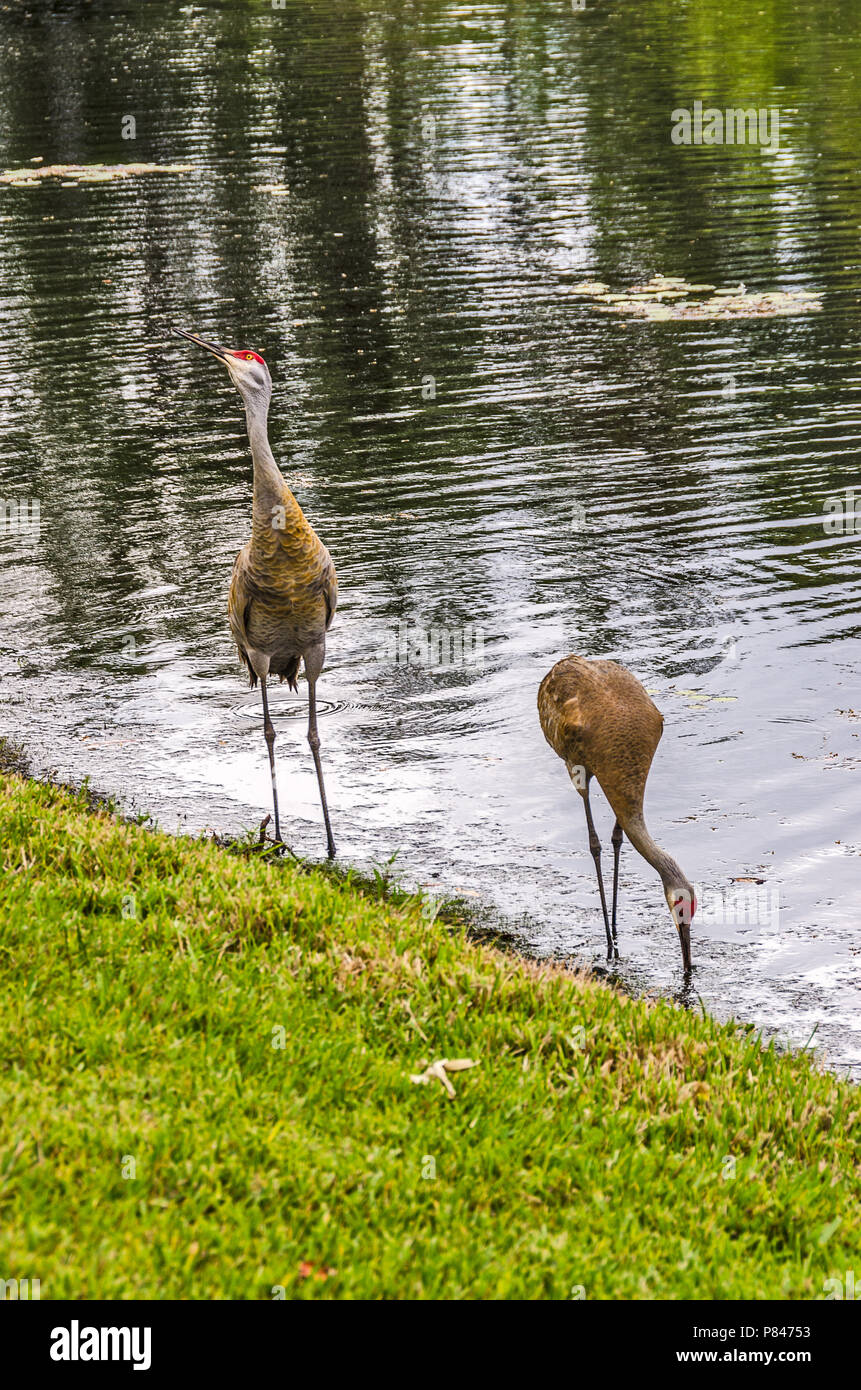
[
  {"x": 595, "y": 847},
  {"x": 269, "y": 735},
  {"x": 314, "y": 743},
  {"x": 616, "y": 841}
]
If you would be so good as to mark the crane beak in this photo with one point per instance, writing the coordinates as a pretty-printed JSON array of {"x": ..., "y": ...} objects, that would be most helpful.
[
  {"x": 219, "y": 352},
  {"x": 685, "y": 938}
]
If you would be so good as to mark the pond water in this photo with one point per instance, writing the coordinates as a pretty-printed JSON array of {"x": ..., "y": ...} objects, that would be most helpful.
[{"x": 395, "y": 203}]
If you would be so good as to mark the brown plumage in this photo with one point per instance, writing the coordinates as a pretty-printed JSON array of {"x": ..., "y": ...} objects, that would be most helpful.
[
  {"x": 284, "y": 591},
  {"x": 598, "y": 718}
]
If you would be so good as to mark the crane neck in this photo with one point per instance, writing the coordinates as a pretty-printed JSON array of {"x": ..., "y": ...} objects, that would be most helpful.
[
  {"x": 671, "y": 875},
  {"x": 270, "y": 486},
  {"x": 265, "y": 467}
]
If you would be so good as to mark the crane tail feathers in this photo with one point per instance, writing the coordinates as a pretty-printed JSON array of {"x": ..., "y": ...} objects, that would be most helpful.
[
  {"x": 291, "y": 672},
  {"x": 252, "y": 674},
  {"x": 288, "y": 673}
]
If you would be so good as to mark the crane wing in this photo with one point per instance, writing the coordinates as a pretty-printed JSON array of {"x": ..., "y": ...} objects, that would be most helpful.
[
  {"x": 329, "y": 589},
  {"x": 239, "y": 604}
]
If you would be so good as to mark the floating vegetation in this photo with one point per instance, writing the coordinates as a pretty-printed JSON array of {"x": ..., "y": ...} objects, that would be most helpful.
[
  {"x": 667, "y": 297},
  {"x": 701, "y": 697},
  {"x": 74, "y": 174}
]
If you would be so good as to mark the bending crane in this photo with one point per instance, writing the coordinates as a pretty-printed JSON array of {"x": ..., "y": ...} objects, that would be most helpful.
[{"x": 602, "y": 724}]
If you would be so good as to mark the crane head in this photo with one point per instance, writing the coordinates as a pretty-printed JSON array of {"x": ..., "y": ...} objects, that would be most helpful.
[
  {"x": 247, "y": 370},
  {"x": 682, "y": 903}
]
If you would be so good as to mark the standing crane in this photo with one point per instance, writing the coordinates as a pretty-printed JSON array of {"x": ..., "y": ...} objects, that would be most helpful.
[
  {"x": 284, "y": 591},
  {"x": 602, "y": 724}
]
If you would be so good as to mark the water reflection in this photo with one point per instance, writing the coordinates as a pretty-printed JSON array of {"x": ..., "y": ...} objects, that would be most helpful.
[{"x": 395, "y": 206}]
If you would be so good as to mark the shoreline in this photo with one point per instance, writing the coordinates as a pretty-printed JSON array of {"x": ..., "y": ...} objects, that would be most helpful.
[{"x": 226, "y": 1060}]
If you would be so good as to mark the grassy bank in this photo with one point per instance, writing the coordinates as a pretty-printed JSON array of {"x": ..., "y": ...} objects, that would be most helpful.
[{"x": 205, "y": 1092}]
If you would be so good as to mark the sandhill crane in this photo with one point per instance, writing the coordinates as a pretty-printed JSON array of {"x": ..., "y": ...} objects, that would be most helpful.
[
  {"x": 601, "y": 722},
  {"x": 284, "y": 590}
]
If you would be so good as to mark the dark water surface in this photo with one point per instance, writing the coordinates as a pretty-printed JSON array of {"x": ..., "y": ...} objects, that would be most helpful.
[{"x": 579, "y": 481}]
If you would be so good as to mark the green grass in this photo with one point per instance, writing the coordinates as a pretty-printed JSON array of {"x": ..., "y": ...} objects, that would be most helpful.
[{"x": 142, "y": 979}]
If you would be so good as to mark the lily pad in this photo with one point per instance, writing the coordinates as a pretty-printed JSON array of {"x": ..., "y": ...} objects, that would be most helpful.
[
  {"x": 666, "y": 297},
  {"x": 588, "y": 287},
  {"x": 73, "y": 174}
]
